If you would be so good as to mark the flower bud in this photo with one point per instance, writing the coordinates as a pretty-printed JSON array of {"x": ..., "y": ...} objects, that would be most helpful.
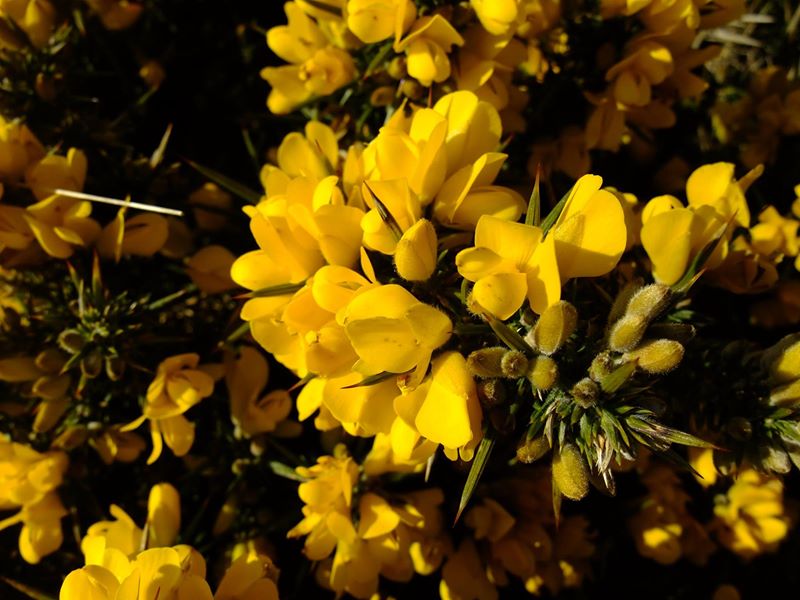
[
  {"x": 71, "y": 438},
  {"x": 71, "y": 341},
  {"x": 411, "y": 89},
  {"x": 486, "y": 362},
  {"x": 92, "y": 364},
  {"x": 570, "y": 475},
  {"x": 554, "y": 327},
  {"x": 397, "y": 67},
  {"x": 532, "y": 450},
  {"x": 649, "y": 301},
  {"x": 543, "y": 373},
  {"x": 602, "y": 366},
  {"x": 115, "y": 367},
  {"x": 382, "y": 96},
  {"x": 657, "y": 356},
  {"x": 51, "y": 387},
  {"x": 585, "y": 392},
  {"x": 786, "y": 395},
  {"x": 50, "y": 360},
  {"x": 626, "y": 333},
  {"x": 622, "y": 300},
  {"x": 225, "y": 517},
  {"x": 415, "y": 256},
  {"x": 49, "y": 413},
  {"x": 783, "y": 359},
  {"x": 163, "y": 515},
  {"x": 775, "y": 459},
  {"x": 491, "y": 392},
  {"x": 514, "y": 364}
]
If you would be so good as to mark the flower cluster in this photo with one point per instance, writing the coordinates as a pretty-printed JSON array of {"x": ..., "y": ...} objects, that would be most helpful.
[{"x": 498, "y": 297}]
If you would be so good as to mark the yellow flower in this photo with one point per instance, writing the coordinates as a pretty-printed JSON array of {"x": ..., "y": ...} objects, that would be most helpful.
[
  {"x": 246, "y": 377},
  {"x": 673, "y": 235},
  {"x": 590, "y": 234},
  {"x": 393, "y": 332},
  {"x": 313, "y": 154},
  {"x": 605, "y": 128},
  {"x": 775, "y": 234},
  {"x": 714, "y": 185},
  {"x": 374, "y": 20},
  {"x": 467, "y": 195},
  {"x": 510, "y": 262},
  {"x": 35, "y": 17},
  {"x": 417, "y": 155},
  {"x": 401, "y": 203},
  {"x": 28, "y": 481},
  {"x": 41, "y": 527},
  {"x": 327, "y": 70},
  {"x": 210, "y": 269},
  {"x": 19, "y": 148},
  {"x": 663, "y": 529},
  {"x": 751, "y": 519},
  {"x": 305, "y": 332},
  {"x": 250, "y": 577},
  {"x": 113, "y": 444},
  {"x": 367, "y": 535},
  {"x": 178, "y": 386},
  {"x": 54, "y": 171},
  {"x": 60, "y": 223},
  {"x": 116, "y": 15},
  {"x": 464, "y": 577},
  {"x": 426, "y": 46},
  {"x": 361, "y": 410},
  {"x": 177, "y": 572},
  {"x": 443, "y": 410},
  {"x": 123, "y": 538},
  {"x": 416, "y": 252},
  {"x": 647, "y": 63},
  {"x": 296, "y": 41},
  {"x": 299, "y": 228},
  {"x": 496, "y": 16},
  {"x": 142, "y": 235}
]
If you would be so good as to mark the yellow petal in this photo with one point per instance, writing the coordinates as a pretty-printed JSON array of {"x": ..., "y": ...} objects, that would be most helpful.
[
  {"x": 666, "y": 237},
  {"x": 544, "y": 279},
  {"x": 502, "y": 294},
  {"x": 163, "y": 515},
  {"x": 451, "y": 414},
  {"x": 590, "y": 239},
  {"x": 377, "y": 517},
  {"x": 178, "y": 434}
]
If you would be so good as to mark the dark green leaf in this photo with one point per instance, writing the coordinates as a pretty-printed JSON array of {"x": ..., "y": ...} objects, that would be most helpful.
[
  {"x": 476, "y": 470},
  {"x": 234, "y": 187}
]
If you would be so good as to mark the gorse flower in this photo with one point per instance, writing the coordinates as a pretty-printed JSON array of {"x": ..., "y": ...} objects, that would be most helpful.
[
  {"x": 751, "y": 519},
  {"x": 29, "y": 481},
  {"x": 512, "y": 261},
  {"x": 178, "y": 386}
]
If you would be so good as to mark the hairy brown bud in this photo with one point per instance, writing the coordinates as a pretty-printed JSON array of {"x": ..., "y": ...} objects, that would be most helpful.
[
  {"x": 486, "y": 362},
  {"x": 585, "y": 392}
]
